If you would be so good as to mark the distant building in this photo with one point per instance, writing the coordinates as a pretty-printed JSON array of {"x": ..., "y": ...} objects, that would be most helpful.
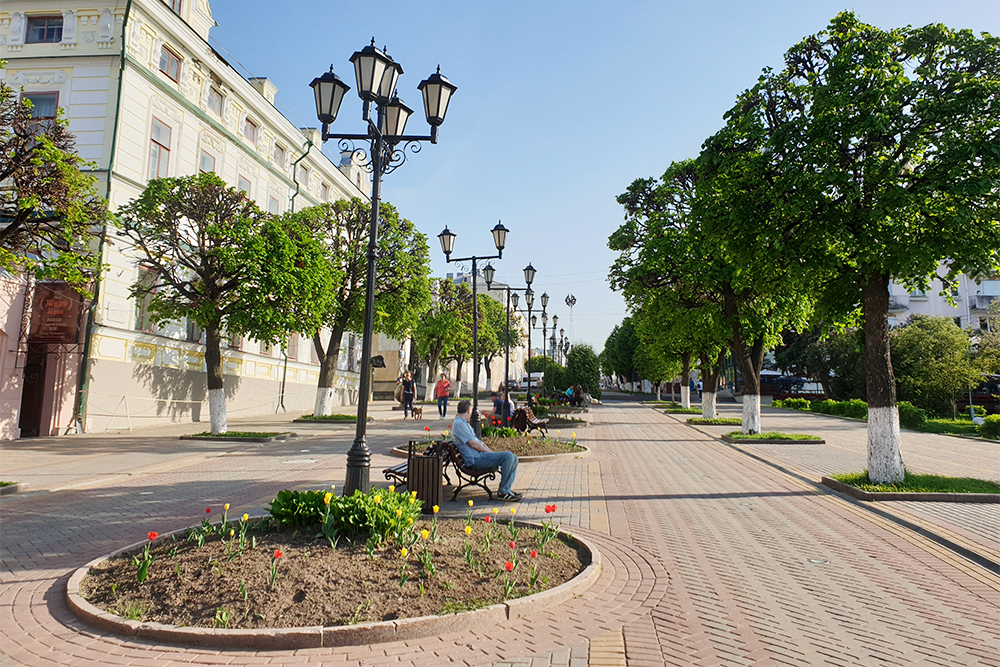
[
  {"x": 148, "y": 96},
  {"x": 971, "y": 299}
]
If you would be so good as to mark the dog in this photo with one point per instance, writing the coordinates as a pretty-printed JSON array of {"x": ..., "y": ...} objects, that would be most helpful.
[{"x": 418, "y": 413}]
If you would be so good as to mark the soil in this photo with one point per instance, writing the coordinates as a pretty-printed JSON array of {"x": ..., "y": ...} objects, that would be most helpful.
[
  {"x": 317, "y": 585},
  {"x": 522, "y": 445}
]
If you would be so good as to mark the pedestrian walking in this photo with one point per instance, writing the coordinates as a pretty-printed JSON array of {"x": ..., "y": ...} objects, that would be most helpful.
[
  {"x": 442, "y": 390},
  {"x": 409, "y": 391}
]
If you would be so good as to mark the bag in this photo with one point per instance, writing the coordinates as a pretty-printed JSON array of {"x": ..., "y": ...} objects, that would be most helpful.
[{"x": 398, "y": 392}]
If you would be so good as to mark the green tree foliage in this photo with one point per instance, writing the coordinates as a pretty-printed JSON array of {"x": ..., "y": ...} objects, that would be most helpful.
[
  {"x": 402, "y": 285},
  {"x": 219, "y": 261},
  {"x": 49, "y": 209},
  {"x": 870, "y": 157},
  {"x": 494, "y": 333},
  {"x": 834, "y": 358},
  {"x": 447, "y": 325},
  {"x": 583, "y": 369},
  {"x": 933, "y": 363},
  {"x": 619, "y": 351}
]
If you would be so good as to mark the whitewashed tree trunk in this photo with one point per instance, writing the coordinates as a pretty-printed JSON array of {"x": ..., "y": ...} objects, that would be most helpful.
[
  {"x": 751, "y": 413},
  {"x": 217, "y": 410},
  {"x": 885, "y": 464},
  {"x": 659, "y": 385},
  {"x": 324, "y": 401},
  {"x": 457, "y": 389},
  {"x": 708, "y": 405},
  {"x": 685, "y": 396}
]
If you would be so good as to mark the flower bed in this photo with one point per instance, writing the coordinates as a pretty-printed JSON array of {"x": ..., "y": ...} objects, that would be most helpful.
[{"x": 369, "y": 558}]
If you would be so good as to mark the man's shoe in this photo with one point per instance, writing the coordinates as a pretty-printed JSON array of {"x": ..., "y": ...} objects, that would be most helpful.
[{"x": 511, "y": 497}]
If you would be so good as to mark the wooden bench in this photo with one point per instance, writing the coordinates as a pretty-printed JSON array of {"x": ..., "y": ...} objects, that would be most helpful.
[
  {"x": 526, "y": 421},
  {"x": 397, "y": 474},
  {"x": 452, "y": 457},
  {"x": 466, "y": 476}
]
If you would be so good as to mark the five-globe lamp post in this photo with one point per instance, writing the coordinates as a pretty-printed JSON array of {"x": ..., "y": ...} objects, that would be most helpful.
[
  {"x": 447, "y": 239},
  {"x": 376, "y": 75}
]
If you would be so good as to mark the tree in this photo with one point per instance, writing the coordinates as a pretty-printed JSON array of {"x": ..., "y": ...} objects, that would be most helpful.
[
  {"x": 445, "y": 326},
  {"x": 213, "y": 257},
  {"x": 49, "y": 208},
  {"x": 874, "y": 154},
  {"x": 402, "y": 286},
  {"x": 834, "y": 358},
  {"x": 494, "y": 334},
  {"x": 933, "y": 362},
  {"x": 620, "y": 348},
  {"x": 583, "y": 370}
]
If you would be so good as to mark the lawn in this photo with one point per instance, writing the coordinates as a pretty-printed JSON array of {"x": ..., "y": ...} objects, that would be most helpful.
[
  {"x": 920, "y": 484},
  {"x": 772, "y": 435}
]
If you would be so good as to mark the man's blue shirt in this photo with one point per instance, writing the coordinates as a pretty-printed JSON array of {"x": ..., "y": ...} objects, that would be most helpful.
[{"x": 461, "y": 433}]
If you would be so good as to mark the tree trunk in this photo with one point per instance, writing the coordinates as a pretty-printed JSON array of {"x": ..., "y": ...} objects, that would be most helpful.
[
  {"x": 489, "y": 374},
  {"x": 216, "y": 389},
  {"x": 750, "y": 359},
  {"x": 885, "y": 463},
  {"x": 685, "y": 380},
  {"x": 328, "y": 359},
  {"x": 710, "y": 373},
  {"x": 658, "y": 394},
  {"x": 458, "y": 377},
  {"x": 827, "y": 386}
]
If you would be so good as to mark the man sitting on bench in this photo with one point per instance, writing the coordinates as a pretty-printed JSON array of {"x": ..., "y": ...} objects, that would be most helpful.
[{"x": 478, "y": 455}]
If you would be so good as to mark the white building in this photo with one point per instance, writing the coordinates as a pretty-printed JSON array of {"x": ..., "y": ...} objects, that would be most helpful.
[
  {"x": 969, "y": 308},
  {"x": 147, "y": 96}
]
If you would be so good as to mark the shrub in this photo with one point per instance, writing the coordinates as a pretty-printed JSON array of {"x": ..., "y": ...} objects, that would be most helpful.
[
  {"x": 855, "y": 408},
  {"x": 796, "y": 403},
  {"x": 980, "y": 410},
  {"x": 825, "y": 407},
  {"x": 777, "y": 403},
  {"x": 498, "y": 432},
  {"x": 294, "y": 509},
  {"x": 378, "y": 512},
  {"x": 990, "y": 428},
  {"x": 540, "y": 411},
  {"x": 910, "y": 416}
]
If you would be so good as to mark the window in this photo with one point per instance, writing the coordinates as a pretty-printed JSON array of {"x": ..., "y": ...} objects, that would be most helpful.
[
  {"x": 193, "y": 332},
  {"x": 143, "y": 318},
  {"x": 44, "y": 107},
  {"x": 159, "y": 150},
  {"x": 324, "y": 192},
  {"x": 215, "y": 100},
  {"x": 304, "y": 174},
  {"x": 235, "y": 341},
  {"x": 958, "y": 322},
  {"x": 175, "y": 6},
  {"x": 170, "y": 64},
  {"x": 272, "y": 206},
  {"x": 278, "y": 155},
  {"x": 44, "y": 29},
  {"x": 266, "y": 349},
  {"x": 293, "y": 347},
  {"x": 244, "y": 185},
  {"x": 207, "y": 163},
  {"x": 250, "y": 130},
  {"x": 351, "y": 354}
]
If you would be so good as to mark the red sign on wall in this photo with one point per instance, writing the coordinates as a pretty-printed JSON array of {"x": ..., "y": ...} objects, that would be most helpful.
[{"x": 55, "y": 314}]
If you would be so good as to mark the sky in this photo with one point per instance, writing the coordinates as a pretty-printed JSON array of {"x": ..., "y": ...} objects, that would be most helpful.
[{"x": 560, "y": 106}]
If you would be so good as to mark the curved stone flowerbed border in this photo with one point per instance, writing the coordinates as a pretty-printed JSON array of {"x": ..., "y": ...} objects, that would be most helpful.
[
  {"x": 584, "y": 451},
  {"x": 341, "y": 635},
  {"x": 855, "y": 492},
  {"x": 218, "y": 438},
  {"x": 13, "y": 488}
]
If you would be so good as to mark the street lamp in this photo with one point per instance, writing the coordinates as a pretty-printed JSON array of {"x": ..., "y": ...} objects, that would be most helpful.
[
  {"x": 447, "y": 238},
  {"x": 376, "y": 75},
  {"x": 562, "y": 337},
  {"x": 555, "y": 323},
  {"x": 512, "y": 300},
  {"x": 571, "y": 301}
]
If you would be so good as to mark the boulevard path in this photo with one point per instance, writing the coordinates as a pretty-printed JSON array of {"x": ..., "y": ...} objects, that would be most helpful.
[{"x": 712, "y": 555}]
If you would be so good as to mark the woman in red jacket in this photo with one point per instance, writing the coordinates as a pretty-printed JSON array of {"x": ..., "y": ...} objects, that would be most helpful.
[{"x": 442, "y": 390}]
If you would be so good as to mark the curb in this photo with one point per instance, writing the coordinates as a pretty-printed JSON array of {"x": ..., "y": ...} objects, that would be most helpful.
[
  {"x": 402, "y": 454},
  {"x": 329, "y": 422},
  {"x": 763, "y": 441},
  {"x": 857, "y": 493},
  {"x": 317, "y": 636},
  {"x": 11, "y": 489},
  {"x": 274, "y": 438}
]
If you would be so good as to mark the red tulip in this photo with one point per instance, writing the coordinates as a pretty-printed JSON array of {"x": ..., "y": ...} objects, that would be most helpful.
[
  {"x": 487, "y": 519},
  {"x": 512, "y": 545},
  {"x": 277, "y": 553},
  {"x": 427, "y": 428},
  {"x": 509, "y": 566},
  {"x": 208, "y": 510},
  {"x": 549, "y": 509},
  {"x": 153, "y": 535},
  {"x": 534, "y": 554}
]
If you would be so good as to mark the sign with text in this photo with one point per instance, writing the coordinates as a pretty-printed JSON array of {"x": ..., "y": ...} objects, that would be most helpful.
[{"x": 55, "y": 314}]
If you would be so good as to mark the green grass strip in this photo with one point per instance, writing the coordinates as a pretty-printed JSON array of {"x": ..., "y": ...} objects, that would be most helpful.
[
  {"x": 330, "y": 418},
  {"x": 772, "y": 435},
  {"x": 7, "y": 483},
  {"x": 952, "y": 426},
  {"x": 920, "y": 484},
  {"x": 235, "y": 435},
  {"x": 684, "y": 411},
  {"x": 718, "y": 421}
]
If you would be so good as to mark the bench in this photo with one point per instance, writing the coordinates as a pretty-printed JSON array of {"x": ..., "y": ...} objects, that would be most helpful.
[
  {"x": 397, "y": 474},
  {"x": 526, "y": 421},
  {"x": 452, "y": 457}
]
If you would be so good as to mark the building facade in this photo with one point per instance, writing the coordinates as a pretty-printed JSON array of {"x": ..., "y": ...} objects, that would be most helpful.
[
  {"x": 148, "y": 96},
  {"x": 968, "y": 306}
]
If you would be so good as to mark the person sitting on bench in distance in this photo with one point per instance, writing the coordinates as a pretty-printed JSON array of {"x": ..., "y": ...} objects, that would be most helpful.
[{"x": 477, "y": 455}]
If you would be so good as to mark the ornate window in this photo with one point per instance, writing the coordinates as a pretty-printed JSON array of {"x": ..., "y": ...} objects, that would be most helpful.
[
  {"x": 272, "y": 206},
  {"x": 159, "y": 150},
  {"x": 244, "y": 185},
  {"x": 207, "y": 163},
  {"x": 251, "y": 130},
  {"x": 44, "y": 29},
  {"x": 44, "y": 107},
  {"x": 175, "y": 6},
  {"x": 170, "y": 64},
  {"x": 278, "y": 155},
  {"x": 215, "y": 100}
]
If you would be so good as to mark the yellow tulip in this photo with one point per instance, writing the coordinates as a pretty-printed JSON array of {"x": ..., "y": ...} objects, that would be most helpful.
[
  {"x": 399, "y": 513},
  {"x": 413, "y": 493},
  {"x": 392, "y": 488},
  {"x": 470, "y": 503},
  {"x": 468, "y": 530},
  {"x": 435, "y": 508},
  {"x": 226, "y": 507},
  {"x": 403, "y": 552},
  {"x": 231, "y": 532},
  {"x": 409, "y": 522},
  {"x": 246, "y": 517},
  {"x": 413, "y": 500},
  {"x": 327, "y": 498},
  {"x": 512, "y": 510},
  {"x": 496, "y": 509},
  {"x": 378, "y": 500},
  {"x": 425, "y": 533}
]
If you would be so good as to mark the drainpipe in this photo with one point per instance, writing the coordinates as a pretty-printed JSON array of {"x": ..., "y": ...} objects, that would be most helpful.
[
  {"x": 295, "y": 172},
  {"x": 80, "y": 411}
]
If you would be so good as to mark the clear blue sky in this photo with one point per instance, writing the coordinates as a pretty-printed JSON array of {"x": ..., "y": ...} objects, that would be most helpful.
[{"x": 560, "y": 106}]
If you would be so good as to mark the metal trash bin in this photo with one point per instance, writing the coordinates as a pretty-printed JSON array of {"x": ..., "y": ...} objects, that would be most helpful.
[{"x": 423, "y": 475}]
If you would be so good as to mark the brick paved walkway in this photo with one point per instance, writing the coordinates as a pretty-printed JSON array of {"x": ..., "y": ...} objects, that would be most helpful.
[{"x": 711, "y": 558}]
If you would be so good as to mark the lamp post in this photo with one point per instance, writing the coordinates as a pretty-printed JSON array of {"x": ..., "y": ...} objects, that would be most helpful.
[
  {"x": 376, "y": 75},
  {"x": 555, "y": 323},
  {"x": 570, "y": 302},
  {"x": 562, "y": 338},
  {"x": 512, "y": 299},
  {"x": 529, "y": 301},
  {"x": 447, "y": 238}
]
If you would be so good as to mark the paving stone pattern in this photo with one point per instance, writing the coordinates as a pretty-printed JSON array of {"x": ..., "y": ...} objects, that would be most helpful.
[{"x": 710, "y": 558}]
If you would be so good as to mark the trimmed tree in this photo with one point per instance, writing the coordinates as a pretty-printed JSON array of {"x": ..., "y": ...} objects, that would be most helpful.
[
  {"x": 216, "y": 259},
  {"x": 402, "y": 286},
  {"x": 933, "y": 362},
  {"x": 447, "y": 324},
  {"x": 874, "y": 154},
  {"x": 583, "y": 369}
]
